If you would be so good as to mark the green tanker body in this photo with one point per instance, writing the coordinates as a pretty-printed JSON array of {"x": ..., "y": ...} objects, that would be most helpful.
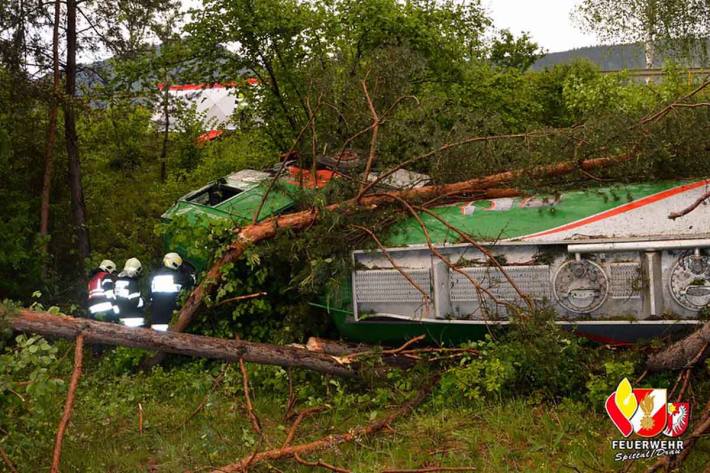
[{"x": 609, "y": 261}]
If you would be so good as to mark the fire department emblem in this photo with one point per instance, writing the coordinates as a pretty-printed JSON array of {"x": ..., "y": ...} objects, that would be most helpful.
[{"x": 646, "y": 412}]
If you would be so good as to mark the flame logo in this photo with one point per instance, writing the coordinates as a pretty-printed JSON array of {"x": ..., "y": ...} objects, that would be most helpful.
[{"x": 625, "y": 399}]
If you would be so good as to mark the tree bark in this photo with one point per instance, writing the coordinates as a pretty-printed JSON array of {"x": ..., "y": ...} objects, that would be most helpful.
[
  {"x": 482, "y": 188},
  {"x": 166, "y": 133},
  {"x": 649, "y": 49},
  {"x": 335, "y": 347},
  {"x": 683, "y": 353},
  {"x": 51, "y": 137},
  {"x": 47, "y": 324},
  {"x": 77, "y": 190},
  {"x": 69, "y": 404}
]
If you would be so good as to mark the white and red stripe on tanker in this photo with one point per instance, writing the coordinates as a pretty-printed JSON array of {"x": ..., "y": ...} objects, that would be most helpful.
[{"x": 647, "y": 216}]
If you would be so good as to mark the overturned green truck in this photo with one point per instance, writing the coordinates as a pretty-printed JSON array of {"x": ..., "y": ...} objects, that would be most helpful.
[{"x": 609, "y": 261}]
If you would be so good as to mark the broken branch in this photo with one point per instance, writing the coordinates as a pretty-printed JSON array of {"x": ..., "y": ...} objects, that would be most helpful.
[
  {"x": 477, "y": 286},
  {"x": 333, "y": 439},
  {"x": 301, "y": 415},
  {"x": 319, "y": 463},
  {"x": 255, "y": 424},
  {"x": 69, "y": 404},
  {"x": 667, "y": 109},
  {"x": 491, "y": 259},
  {"x": 255, "y": 217},
  {"x": 373, "y": 140},
  {"x": 430, "y": 469},
  {"x": 241, "y": 298},
  {"x": 690, "y": 208},
  {"x": 7, "y": 461},
  {"x": 349, "y": 358},
  {"x": 447, "y": 146}
]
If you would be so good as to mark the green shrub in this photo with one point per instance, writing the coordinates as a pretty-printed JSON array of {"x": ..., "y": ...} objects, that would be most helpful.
[
  {"x": 601, "y": 386},
  {"x": 29, "y": 393}
]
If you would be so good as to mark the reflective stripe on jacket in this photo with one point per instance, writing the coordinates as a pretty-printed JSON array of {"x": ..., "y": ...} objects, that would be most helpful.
[
  {"x": 101, "y": 292},
  {"x": 129, "y": 301},
  {"x": 165, "y": 287}
]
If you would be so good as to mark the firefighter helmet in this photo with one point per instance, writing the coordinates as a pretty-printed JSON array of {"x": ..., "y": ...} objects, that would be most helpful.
[
  {"x": 108, "y": 266},
  {"x": 172, "y": 261},
  {"x": 133, "y": 267}
]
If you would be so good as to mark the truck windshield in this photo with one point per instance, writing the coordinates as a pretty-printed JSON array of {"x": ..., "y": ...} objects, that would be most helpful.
[{"x": 214, "y": 195}]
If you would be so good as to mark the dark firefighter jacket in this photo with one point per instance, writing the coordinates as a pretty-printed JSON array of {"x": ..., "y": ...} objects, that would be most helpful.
[
  {"x": 165, "y": 287},
  {"x": 128, "y": 297}
]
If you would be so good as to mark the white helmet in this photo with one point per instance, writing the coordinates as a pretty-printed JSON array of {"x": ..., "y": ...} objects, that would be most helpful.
[
  {"x": 133, "y": 267},
  {"x": 108, "y": 266},
  {"x": 172, "y": 260}
]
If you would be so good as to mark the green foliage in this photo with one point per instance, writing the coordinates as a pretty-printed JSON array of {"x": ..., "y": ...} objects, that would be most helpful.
[
  {"x": 517, "y": 53},
  {"x": 415, "y": 48},
  {"x": 476, "y": 378},
  {"x": 605, "y": 93},
  {"x": 118, "y": 137},
  {"x": 601, "y": 386},
  {"x": 534, "y": 358},
  {"x": 28, "y": 391},
  {"x": 192, "y": 420},
  {"x": 21, "y": 122}
]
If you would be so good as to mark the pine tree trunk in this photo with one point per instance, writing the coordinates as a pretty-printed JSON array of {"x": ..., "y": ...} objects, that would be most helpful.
[
  {"x": 166, "y": 133},
  {"x": 46, "y": 324},
  {"x": 77, "y": 191},
  {"x": 684, "y": 353},
  {"x": 51, "y": 136}
]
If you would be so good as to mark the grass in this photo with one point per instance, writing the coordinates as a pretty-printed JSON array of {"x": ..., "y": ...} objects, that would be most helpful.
[{"x": 513, "y": 435}]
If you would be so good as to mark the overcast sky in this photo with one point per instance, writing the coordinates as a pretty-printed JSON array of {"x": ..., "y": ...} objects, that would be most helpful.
[{"x": 547, "y": 21}]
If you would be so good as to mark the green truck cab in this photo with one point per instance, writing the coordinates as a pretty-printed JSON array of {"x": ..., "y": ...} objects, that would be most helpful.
[{"x": 233, "y": 199}]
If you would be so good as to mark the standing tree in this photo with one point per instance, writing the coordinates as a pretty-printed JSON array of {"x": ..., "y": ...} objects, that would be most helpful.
[
  {"x": 122, "y": 28},
  {"x": 72, "y": 140},
  {"x": 680, "y": 26},
  {"x": 51, "y": 133}
]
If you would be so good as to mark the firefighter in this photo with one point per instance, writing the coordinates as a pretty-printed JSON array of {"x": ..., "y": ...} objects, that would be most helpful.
[
  {"x": 101, "y": 292},
  {"x": 129, "y": 302},
  {"x": 166, "y": 285}
]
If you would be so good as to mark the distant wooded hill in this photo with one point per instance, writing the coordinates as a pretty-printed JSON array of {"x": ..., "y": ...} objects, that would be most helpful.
[{"x": 610, "y": 58}]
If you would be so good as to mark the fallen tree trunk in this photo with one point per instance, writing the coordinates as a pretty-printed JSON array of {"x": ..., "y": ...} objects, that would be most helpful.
[
  {"x": 483, "y": 188},
  {"x": 683, "y": 353},
  {"x": 47, "y": 324},
  {"x": 335, "y": 347}
]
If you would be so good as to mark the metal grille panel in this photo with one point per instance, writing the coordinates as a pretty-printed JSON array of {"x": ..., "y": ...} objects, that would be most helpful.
[
  {"x": 388, "y": 285},
  {"x": 533, "y": 281},
  {"x": 623, "y": 277}
]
